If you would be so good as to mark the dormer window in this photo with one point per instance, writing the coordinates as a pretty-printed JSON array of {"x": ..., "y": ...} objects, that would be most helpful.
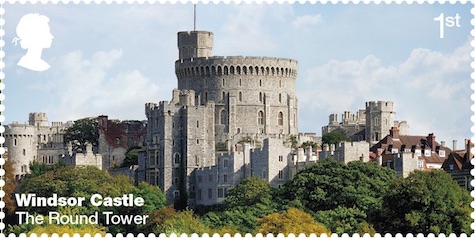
[
  {"x": 427, "y": 152},
  {"x": 442, "y": 153}
]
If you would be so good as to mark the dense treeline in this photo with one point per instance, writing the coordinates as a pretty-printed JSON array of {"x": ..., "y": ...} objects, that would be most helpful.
[{"x": 328, "y": 197}]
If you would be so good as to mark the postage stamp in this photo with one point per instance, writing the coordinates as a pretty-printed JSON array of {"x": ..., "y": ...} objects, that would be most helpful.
[{"x": 327, "y": 119}]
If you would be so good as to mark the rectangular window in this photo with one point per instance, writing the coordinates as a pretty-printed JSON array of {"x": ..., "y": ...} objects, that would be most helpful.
[
  {"x": 225, "y": 163},
  {"x": 210, "y": 193},
  {"x": 281, "y": 174},
  {"x": 427, "y": 152},
  {"x": 225, "y": 178},
  {"x": 442, "y": 153},
  {"x": 420, "y": 164},
  {"x": 281, "y": 158},
  {"x": 220, "y": 193},
  {"x": 198, "y": 194}
]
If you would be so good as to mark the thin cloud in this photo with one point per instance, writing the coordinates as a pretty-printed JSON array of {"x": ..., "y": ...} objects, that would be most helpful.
[
  {"x": 426, "y": 88},
  {"x": 307, "y": 20}
]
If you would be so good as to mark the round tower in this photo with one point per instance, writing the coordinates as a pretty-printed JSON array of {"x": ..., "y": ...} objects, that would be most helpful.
[
  {"x": 379, "y": 120},
  {"x": 21, "y": 144},
  {"x": 252, "y": 95}
]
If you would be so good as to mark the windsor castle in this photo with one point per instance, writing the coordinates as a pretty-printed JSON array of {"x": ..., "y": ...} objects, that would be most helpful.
[{"x": 230, "y": 118}]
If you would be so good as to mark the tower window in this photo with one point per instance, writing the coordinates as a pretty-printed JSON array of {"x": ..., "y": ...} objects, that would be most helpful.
[
  {"x": 222, "y": 82},
  {"x": 280, "y": 119},
  {"x": 224, "y": 117},
  {"x": 240, "y": 82},
  {"x": 260, "y": 97},
  {"x": 280, "y": 98},
  {"x": 177, "y": 159},
  {"x": 240, "y": 96},
  {"x": 260, "y": 82},
  {"x": 260, "y": 118}
]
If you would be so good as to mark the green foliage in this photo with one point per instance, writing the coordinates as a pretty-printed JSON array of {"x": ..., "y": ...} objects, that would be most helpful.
[
  {"x": 220, "y": 146},
  {"x": 131, "y": 156},
  {"x": 293, "y": 221},
  {"x": 154, "y": 197},
  {"x": 84, "y": 182},
  {"x": 330, "y": 184},
  {"x": 427, "y": 202},
  {"x": 83, "y": 131},
  {"x": 248, "y": 201},
  {"x": 332, "y": 190},
  {"x": 293, "y": 141},
  {"x": 334, "y": 137},
  {"x": 345, "y": 220},
  {"x": 249, "y": 192},
  {"x": 306, "y": 144},
  {"x": 168, "y": 221}
]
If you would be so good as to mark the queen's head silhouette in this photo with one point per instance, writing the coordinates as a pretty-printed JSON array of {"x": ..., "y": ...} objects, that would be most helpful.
[{"x": 34, "y": 34}]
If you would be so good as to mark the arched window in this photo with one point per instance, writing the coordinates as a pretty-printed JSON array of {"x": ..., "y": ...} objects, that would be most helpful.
[
  {"x": 260, "y": 97},
  {"x": 224, "y": 117},
  {"x": 260, "y": 82},
  {"x": 24, "y": 152},
  {"x": 177, "y": 159},
  {"x": 240, "y": 96},
  {"x": 223, "y": 96},
  {"x": 280, "y": 119},
  {"x": 231, "y": 69},
  {"x": 222, "y": 82},
  {"x": 225, "y": 69},
  {"x": 260, "y": 118}
]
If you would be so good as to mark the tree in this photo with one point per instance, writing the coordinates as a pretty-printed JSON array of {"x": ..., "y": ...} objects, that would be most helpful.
[
  {"x": 334, "y": 137},
  {"x": 345, "y": 220},
  {"x": 83, "y": 131},
  {"x": 249, "y": 192},
  {"x": 330, "y": 184},
  {"x": 307, "y": 144},
  {"x": 9, "y": 188},
  {"x": 293, "y": 221},
  {"x": 427, "y": 202},
  {"x": 85, "y": 181},
  {"x": 168, "y": 221},
  {"x": 249, "y": 200},
  {"x": 132, "y": 156}
]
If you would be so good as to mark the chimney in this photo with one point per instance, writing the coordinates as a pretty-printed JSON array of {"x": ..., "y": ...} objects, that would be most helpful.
[
  {"x": 431, "y": 141},
  {"x": 454, "y": 142},
  {"x": 468, "y": 147},
  {"x": 442, "y": 143},
  {"x": 394, "y": 132}
]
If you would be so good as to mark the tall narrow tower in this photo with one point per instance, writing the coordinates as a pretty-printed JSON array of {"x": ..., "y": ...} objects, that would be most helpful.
[
  {"x": 195, "y": 44},
  {"x": 379, "y": 120}
]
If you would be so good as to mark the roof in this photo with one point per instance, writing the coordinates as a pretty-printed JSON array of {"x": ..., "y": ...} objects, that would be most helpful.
[{"x": 410, "y": 143}]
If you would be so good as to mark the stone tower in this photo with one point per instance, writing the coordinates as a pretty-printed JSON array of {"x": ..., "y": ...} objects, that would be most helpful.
[
  {"x": 195, "y": 44},
  {"x": 38, "y": 119},
  {"x": 219, "y": 101},
  {"x": 20, "y": 139},
  {"x": 379, "y": 120}
]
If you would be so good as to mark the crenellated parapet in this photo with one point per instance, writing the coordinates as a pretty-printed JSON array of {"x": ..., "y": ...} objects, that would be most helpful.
[{"x": 235, "y": 65}]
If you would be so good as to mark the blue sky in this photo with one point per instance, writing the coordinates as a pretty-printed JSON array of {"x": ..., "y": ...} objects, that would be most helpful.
[{"x": 112, "y": 59}]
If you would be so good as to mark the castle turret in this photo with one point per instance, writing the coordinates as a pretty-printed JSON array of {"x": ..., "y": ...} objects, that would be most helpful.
[
  {"x": 379, "y": 120},
  {"x": 195, "y": 44},
  {"x": 38, "y": 119}
]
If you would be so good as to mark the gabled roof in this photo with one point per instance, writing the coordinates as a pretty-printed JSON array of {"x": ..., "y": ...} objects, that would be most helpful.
[{"x": 411, "y": 143}]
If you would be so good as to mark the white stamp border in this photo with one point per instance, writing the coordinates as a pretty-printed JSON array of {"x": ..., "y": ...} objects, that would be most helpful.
[{"x": 259, "y": 235}]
